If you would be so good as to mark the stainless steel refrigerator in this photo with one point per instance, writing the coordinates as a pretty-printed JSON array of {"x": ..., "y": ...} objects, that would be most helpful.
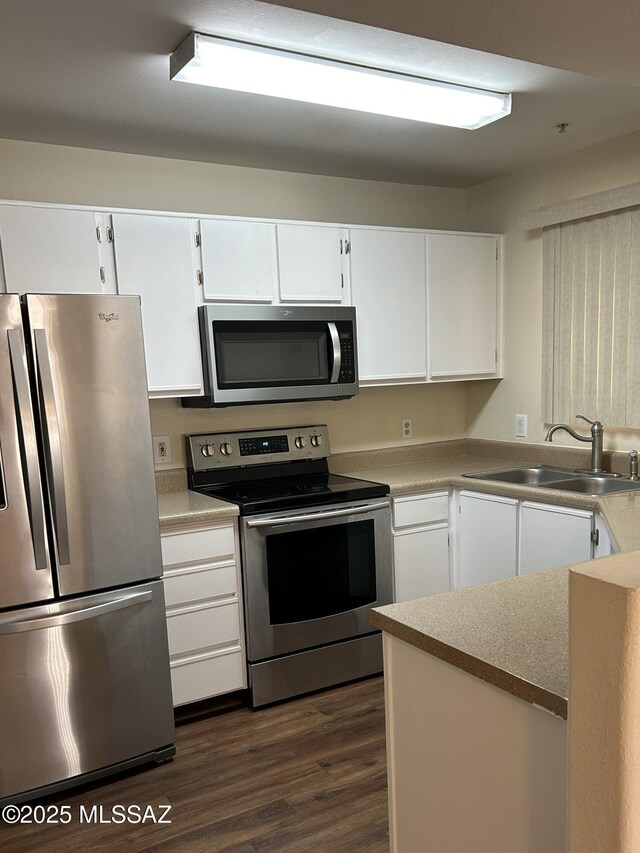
[{"x": 84, "y": 670}]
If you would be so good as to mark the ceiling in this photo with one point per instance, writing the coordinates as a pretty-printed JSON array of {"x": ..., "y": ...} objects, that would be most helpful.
[{"x": 95, "y": 74}]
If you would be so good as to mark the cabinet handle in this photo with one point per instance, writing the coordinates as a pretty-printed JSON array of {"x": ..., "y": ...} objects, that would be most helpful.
[
  {"x": 197, "y": 239},
  {"x": 103, "y": 277},
  {"x": 347, "y": 247},
  {"x": 200, "y": 277},
  {"x": 98, "y": 234},
  {"x": 341, "y": 246}
]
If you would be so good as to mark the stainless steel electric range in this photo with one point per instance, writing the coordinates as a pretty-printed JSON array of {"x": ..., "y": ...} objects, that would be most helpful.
[{"x": 316, "y": 556}]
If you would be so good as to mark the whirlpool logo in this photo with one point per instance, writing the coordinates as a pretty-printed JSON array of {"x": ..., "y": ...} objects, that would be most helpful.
[
  {"x": 286, "y": 312},
  {"x": 107, "y": 318}
]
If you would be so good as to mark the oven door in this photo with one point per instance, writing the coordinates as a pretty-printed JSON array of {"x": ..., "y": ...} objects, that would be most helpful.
[{"x": 311, "y": 576}]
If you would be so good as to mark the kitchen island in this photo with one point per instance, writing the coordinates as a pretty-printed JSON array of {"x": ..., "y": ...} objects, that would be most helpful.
[{"x": 476, "y": 686}]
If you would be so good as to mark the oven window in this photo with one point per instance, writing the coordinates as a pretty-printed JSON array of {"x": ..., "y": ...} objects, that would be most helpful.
[
  {"x": 320, "y": 571},
  {"x": 256, "y": 354}
]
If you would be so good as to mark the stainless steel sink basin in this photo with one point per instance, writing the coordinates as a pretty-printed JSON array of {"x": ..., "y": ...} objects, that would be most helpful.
[
  {"x": 533, "y": 475},
  {"x": 594, "y": 485}
]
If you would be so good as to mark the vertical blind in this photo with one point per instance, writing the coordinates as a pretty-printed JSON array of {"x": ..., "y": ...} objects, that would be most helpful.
[{"x": 591, "y": 319}]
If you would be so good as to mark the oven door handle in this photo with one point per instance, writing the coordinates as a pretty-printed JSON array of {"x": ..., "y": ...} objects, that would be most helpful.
[{"x": 315, "y": 516}]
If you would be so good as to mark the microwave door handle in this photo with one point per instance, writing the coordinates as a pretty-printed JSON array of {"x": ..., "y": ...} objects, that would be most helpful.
[
  {"x": 336, "y": 353},
  {"x": 28, "y": 447},
  {"x": 54, "y": 447}
]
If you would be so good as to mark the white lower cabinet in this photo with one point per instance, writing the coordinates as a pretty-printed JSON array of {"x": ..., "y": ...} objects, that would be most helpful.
[
  {"x": 204, "y": 615},
  {"x": 486, "y": 537},
  {"x": 421, "y": 545},
  {"x": 553, "y": 536},
  {"x": 499, "y": 537}
]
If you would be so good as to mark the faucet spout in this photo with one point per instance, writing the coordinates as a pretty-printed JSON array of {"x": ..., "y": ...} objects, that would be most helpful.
[{"x": 595, "y": 439}]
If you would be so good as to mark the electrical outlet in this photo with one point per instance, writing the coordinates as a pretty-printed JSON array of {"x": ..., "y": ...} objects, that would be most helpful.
[
  {"x": 406, "y": 427},
  {"x": 521, "y": 426},
  {"x": 161, "y": 449}
]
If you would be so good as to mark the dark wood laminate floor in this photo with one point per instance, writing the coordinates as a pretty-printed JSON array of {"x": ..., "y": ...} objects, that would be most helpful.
[{"x": 308, "y": 776}]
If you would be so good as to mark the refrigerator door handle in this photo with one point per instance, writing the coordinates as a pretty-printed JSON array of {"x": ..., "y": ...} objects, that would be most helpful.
[
  {"x": 28, "y": 447},
  {"x": 56, "y": 621},
  {"x": 54, "y": 447}
]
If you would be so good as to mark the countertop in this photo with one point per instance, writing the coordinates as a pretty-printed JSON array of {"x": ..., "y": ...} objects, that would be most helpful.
[{"x": 512, "y": 634}]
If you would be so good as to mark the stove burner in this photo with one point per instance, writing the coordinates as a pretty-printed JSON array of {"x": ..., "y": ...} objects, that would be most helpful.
[
  {"x": 263, "y": 494},
  {"x": 312, "y": 487}
]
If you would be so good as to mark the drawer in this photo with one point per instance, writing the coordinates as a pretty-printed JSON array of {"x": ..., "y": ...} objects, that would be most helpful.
[
  {"x": 182, "y": 586},
  {"x": 409, "y": 510},
  {"x": 203, "y": 676},
  {"x": 203, "y": 627},
  {"x": 198, "y": 545}
]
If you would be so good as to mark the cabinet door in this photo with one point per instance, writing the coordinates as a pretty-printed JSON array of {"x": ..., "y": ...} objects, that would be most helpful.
[
  {"x": 552, "y": 536},
  {"x": 311, "y": 263},
  {"x": 154, "y": 260},
  {"x": 486, "y": 538},
  {"x": 239, "y": 262},
  {"x": 53, "y": 250},
  {"x": 462, "y": 286},
  {"x": 421, "y": 562},
  {"x": 388, "y": 289}
]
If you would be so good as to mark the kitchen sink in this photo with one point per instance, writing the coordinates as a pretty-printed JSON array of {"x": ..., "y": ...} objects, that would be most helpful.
[
  {"x": 557, "y": 478},
  {"x": 533, "y": 475},
  {"x": 594, "y": 485}
]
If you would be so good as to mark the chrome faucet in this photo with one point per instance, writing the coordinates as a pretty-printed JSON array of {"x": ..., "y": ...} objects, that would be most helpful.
[{"x": 595, "y": 438}]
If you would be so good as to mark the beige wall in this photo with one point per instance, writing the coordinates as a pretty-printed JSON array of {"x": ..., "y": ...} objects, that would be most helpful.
[
  {"x": 50, "y": 173},
  {"x": 370, "y": 420},
  {"x": 495, "y": 206},
  {"x": 35, "y": 172}
]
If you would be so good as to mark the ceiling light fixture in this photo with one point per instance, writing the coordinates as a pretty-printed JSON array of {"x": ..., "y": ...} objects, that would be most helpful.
[{"x": 242, "y": 67}]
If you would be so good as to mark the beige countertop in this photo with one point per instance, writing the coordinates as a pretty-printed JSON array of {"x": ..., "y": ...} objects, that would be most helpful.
[
  {"x": 186, "y": 507},
  {"x": 179, "y": 505},
  {"x": 512, "y": 634}
]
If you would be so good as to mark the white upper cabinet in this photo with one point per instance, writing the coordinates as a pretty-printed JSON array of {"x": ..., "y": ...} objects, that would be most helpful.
[
  {"x": 155, "y": 260},
  {"x": 312, "y": 263},
  {"x": 55, "y": 250},
  {"x": 388, "y": 290},
  {"x": 239, "y": 260},
  {"x": 464, "y": 293}
]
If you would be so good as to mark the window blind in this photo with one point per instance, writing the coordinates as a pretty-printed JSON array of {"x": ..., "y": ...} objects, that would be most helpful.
[{"x": 591, "y": 319}]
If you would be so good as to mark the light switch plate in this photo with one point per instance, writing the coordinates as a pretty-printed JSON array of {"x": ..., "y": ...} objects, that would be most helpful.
[{"x": 522, "y": 424}]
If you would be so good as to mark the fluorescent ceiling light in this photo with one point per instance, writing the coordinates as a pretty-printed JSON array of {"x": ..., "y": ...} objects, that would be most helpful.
[{"x": 225, "y": 64}]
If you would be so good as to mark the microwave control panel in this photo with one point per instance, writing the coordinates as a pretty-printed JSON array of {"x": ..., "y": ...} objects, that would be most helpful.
[
  {"x": 251, "y": 447},
  {"x": 347, "y": 373}
]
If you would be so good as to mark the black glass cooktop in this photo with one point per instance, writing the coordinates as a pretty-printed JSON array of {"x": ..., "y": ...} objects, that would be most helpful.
[{"x": 281, "y": 493}]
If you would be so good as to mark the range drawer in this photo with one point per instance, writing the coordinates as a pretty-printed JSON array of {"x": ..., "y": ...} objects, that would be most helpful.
[
  {"x": 198, "y": 546},
  {"x": 185, "y": 585},
  {"x": 201, "y": 676},
  {"x": 203, "y": 627},
  {"x": 413, "y": 510}
]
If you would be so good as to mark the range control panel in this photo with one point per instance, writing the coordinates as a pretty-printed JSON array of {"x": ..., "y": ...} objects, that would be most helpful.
[{"x": 232, "y": 449}]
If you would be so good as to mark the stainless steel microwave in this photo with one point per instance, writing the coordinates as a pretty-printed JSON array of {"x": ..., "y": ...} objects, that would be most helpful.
[{"x": 276, "y": 354}]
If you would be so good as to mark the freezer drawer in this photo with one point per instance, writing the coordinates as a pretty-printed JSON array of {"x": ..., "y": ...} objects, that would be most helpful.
[{"x": 86, "y": 685}]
